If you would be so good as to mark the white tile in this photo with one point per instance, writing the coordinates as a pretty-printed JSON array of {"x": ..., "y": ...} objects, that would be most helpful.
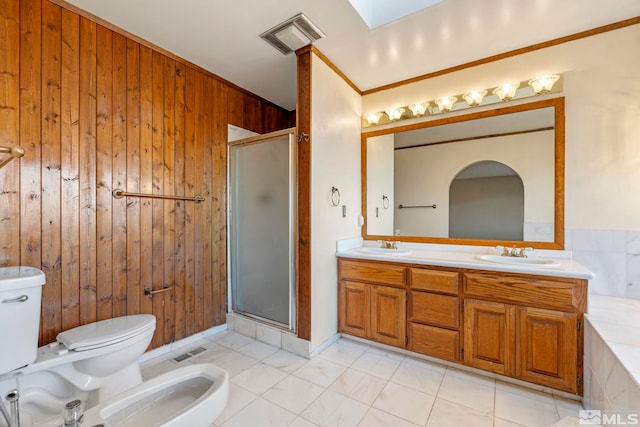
[
  {"x": 377, "y": 418},
  {"x": 499, "y": 422},
  {"x": 380, "y": 365},
  {"x": 295, "y": 345},
  {"x": 293, "y": 394},
  {"x": 347, "y": 414},
  {"x": 599, "y": 240},
  {"x": 213, "y": 350},
  {"x": 232, "y": 340},
  {"x": 568, "y": 422},
  {"x": 508, "y": 388},
  {"x": 322, "y": 408},
  {"x": 259, "y": 378},
  {"x": 320, "y": 372},
  {"x": 271, "y": 336},
  {"x": 301, "y": 422},
  {"x": 232, "y": 362},
  {"x": 406, "y": 403},
  {"x": 257, "y": 350},
  {"x": 628, "y": 354},
  {"x": 567, "y": 407},
  {"x": 157, "y": 366},
  {"x": 471, "y": 376},
  {"x": 610, "y": 269},
  {"x": 285, "y": 361},
  {"x": 524, "y": 410},
  {"x": 355, "y": 344},
  {"x": 633, "y": 276},
  {"x": 341, "y": 354},
  {"x": 245, "y": 327},
  {"x": 427, "y": 364},
  {"x": 238, "y": 399},
  {"x": 261, "y": 413},
  {"x": 362, "y": 387},
  {"x": 445, "y": 414},
  {"x": 418, "y": 377},
  {"x": 633, "y": 242},
  {"x": 469, "y": 393}
]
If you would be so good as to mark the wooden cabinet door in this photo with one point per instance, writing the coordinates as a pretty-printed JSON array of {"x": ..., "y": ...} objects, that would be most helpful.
[
  {"x": 547, "y": 348},
  {"x": 489, "y": 338},
  {"x": 388, "y": 315},
  {"x": 354, "y": 310}
]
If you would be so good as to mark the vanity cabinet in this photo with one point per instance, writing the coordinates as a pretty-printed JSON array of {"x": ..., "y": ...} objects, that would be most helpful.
[
  {"x": 434, "y": 313},
  {"x": 526, "y": 327},
  {"x": 372, "y": 301},
  {"x": 518, "y": 325}
]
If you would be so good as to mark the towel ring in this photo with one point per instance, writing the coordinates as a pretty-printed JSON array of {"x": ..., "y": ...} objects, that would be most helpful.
[
  {"x": 334, "y": 199},
  {"x": 385, "y": 202}
]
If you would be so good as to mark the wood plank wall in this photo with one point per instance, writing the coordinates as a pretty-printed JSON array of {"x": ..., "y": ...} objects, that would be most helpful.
[{"x": 95, "y": 111}]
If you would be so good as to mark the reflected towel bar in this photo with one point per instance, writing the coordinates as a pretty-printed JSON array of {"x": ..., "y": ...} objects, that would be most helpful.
[
  {"x": 119, "y": 194},
  {"x": 409, "y": 207},
  {"x": 149, "y": 292},
  {"x": 11, "y": 153}
]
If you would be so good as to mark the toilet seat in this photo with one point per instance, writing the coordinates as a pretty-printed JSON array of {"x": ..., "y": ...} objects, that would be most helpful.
[{"x": 106, "y": 332}]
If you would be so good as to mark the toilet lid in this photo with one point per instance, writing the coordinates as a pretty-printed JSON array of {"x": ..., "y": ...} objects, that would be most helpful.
[{"x": 106, "y": 332}]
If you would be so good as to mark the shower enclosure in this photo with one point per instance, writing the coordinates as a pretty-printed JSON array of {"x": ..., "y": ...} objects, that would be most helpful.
[{"x": 262, "y": 227}]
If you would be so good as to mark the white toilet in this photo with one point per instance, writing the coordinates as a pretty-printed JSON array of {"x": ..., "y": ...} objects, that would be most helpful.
[{"x": 96, "y": 363}]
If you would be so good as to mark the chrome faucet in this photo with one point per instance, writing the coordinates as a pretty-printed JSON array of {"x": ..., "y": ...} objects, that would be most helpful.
[
  {"x": 12, "y": 417},
  {"x": 515, "y": 252}
]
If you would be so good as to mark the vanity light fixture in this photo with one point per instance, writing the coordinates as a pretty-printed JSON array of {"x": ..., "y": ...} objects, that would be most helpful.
[
  {"x": 445, "y": 103},
  {"x": 373, "y": 118},
  {"x": 394, "y": 113},
  {"x": 544, "y": 83},
  {"x": 474, "y": 97},
  {"x": 419, "y": 108},
  {"x": 506, "y": 91}
]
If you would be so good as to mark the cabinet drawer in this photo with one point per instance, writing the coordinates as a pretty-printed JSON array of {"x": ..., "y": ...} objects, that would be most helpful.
[
  {"x": 436, "y": 342},
  {"x": 434, "y": 280},
  {"x": 391, "y": 275},
  {"x": 565, "y": 295},
  {"x": 435, "y": 309}
]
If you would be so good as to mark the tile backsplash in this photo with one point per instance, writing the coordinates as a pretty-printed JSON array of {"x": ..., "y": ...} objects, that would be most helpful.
[{"x": 614, "y": 257}]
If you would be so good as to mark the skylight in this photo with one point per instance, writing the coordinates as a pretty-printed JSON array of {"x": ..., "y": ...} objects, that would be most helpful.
[{"x": 376, "y": 13}]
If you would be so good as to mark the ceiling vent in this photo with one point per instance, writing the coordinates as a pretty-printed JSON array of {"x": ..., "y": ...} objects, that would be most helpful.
[{"x": 293, "y": 34}]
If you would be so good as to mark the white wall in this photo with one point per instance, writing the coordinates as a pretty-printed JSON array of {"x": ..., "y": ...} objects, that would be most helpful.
[
  {"x": 424, "y": 174},
  {"x": 602, "y": 175},
  {"x": 335, "y": 162},
  {"x": 380, "y": 179}
]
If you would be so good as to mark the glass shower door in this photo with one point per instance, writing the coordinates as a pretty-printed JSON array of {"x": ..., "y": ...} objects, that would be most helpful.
[{"x": 262, "y": 184}]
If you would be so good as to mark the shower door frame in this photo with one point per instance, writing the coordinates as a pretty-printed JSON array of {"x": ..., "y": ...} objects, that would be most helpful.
[{"x": 293, "y": 224}]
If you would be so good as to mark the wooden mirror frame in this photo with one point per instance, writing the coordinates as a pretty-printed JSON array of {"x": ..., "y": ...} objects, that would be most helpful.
[{"x": 559, "y": 130}]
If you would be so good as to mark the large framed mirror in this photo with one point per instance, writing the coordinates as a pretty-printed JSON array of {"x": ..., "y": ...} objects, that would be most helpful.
[{"x": 491, "y": 177}]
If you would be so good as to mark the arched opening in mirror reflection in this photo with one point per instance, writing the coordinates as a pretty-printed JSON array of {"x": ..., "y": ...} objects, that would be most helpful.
[{"x": 486, "y": 201}]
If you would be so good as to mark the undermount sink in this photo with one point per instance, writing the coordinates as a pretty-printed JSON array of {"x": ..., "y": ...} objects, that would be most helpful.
[
  {"x": 528, "y": 262},
  {"x": 384, "y": 251}
]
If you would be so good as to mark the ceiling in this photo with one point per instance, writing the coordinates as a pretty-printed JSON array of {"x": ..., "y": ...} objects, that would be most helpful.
[{"x": 223, "y": 36}]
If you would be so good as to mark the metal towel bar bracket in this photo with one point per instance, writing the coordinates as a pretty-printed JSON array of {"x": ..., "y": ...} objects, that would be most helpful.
[
  {"x": 149, "y": 292},
  {"x": 118, "y": 193}
]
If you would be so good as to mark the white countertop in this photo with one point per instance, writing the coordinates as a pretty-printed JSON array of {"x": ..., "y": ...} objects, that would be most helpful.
[{"x": 468, "y": 258}]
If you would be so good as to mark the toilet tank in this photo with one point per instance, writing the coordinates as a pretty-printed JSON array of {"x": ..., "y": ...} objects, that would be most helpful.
[{"x": 20, "y": 294}]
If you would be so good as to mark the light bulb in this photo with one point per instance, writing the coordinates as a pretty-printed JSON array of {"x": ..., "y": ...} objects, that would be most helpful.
[
  {"x": 474, "y": 97},
  {"x": 394, "y": 113},
  {"x": 445, "y": 103},
  {"x": 544, "y": 83},
  {"x": 373, "y": 118},
  {"x": 419, "y": 108},
  {"x": 506, "y": 91}
]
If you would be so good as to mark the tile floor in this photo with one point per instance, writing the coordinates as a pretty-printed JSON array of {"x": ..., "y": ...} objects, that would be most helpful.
[{"x": 355, "y": 384}]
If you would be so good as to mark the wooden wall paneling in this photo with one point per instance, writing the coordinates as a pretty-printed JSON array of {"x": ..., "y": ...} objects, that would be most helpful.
[
  {"x": 30, "y": 121},
  {"x": 190, "y": 155},
  {"x": 158, "y": 188},
  {"x": 235, "y": 107},
  {"x": 169, "y": 189},
  {"x": 219, "y": 200},
  {"x": 87, "y": 171},
  {"x": 134, "y": 290},
  {"x": 10, "y": 131},
  {"x": 177, "y": 296},
  {"x": 146, "y": 177},
  {"x": 50, "y": 192},
  {"x": 104, "y": 158},
  {"x": 119, "y": 176},
  {"x": 303, "y": 125},
  {"x": 252, "y": 115},
  {"x": 207, "y": 193},
  {"x": 201, "y": 118}
]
